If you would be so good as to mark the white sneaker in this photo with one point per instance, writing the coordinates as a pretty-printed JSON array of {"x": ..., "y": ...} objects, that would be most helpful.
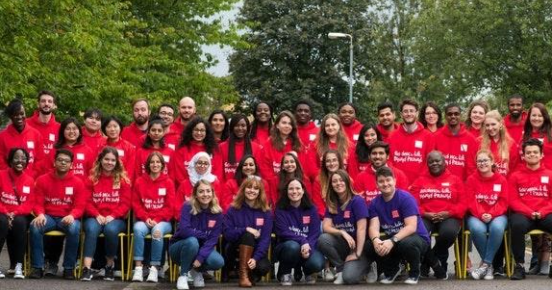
[
  {"x": 286, "y": 280},
  {"x": 480, "y": 272},
  {"x": 489, "y": 275},
  {"x": 2, "y": 275},
  {"x": 339, "y": 279},
  {"x": 411, "y": 280},
  {"x": 182, "y": 283},
  {"x": 18, "y": 271},
  {"x": 372, "y": 276},
  {"x": 199, "y": 282},
  {"x": 152, "y": 276},
  {"x": 329, "y": 274},
  {"x": 311, "y": 279},
  {"x": 138, "y": 275}
]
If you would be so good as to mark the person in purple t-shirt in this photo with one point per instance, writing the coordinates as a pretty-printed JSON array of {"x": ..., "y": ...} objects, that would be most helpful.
[
  {"x": 395, "y": 213},
  {"x": 193, "y": 244},
  {"x": 344, "y": 225},
  {"x": 297, "y": 228}
]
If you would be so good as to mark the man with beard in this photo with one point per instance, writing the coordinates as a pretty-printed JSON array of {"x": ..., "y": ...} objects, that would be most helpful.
[
  {"x": 351, "y": 126},
  {"x": 44, "y": 120},
  {"x": 410, "y": 143},
  {"x": 134, "y": 132},
  {"x": 186, "y": 111},
  {"x": 457, "y": 144},
  {"x": 515, "y": 120},
  {"x": 306, "y": 129},
  {"x": 386, "y": 118}
]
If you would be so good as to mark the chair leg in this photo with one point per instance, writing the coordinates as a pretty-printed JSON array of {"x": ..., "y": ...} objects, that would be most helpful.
[
  {"x": 465, "y": 260},
  {"x": 458, "y": 259},
  {"x": 130, "y": 254},
  {"x": 122, "y": 258},
  {"x": 81, "y": 266}
]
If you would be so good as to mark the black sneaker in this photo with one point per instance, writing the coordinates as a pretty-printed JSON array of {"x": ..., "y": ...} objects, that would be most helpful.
[
  {"x": 68, "y": 274},
  {"x": 36, "y": 273},
  {"x": 298, "y": 274},
  {"x": 439, "y": 271},
  {"x": 424, "y": 271},
  {"x": 389, "y": 279},
  {"x": 51, "y": 270},
  {"x": 86, "y": 274},
  {"x": 499, "y": 271},
  {"x": 519, "y": 273},
  {"x": 109, "y": 273}
]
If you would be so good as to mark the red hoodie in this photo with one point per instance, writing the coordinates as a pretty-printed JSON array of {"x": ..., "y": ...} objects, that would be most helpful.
[
  {"x": 153, "y": 199},
  {"x": 384, "y": 133},
  {"x": 142, "y": 156},
  {"x": 184, "y": 193},
  {"x": 546, "y": 149},
  {"x": 408, "y": 151},
  {"x": 127, "y": 154},
  {"x": 459, "y": 150},
  {"x": 108, "y": 200},
  {"x": 355, "y": 167},
  {"x": 17, "y": 194},
  {"x": 30, "y": 139},
  {"x": 172, "y": 138},
  {"x": 94, "y": 141},
  {"x": 365, "y": 184},
  {"x": 476, "y": 133},
  {"x": 487, "y": 195},
  {"x": 502, "y": 167},
  {"x": 274, "y": 194},
  {"x": 515, "y": 130},
  {"x": 133, "y": 134},
  {"x": 352, "y": 131},
  {"x": 271, "y": 159},
  {"x": 83, "y": 161},
  {"x": 239, "y": 149},
  {"x": 442, "y": 193},
  {"x": 60, "y": 197},
  {"x": 262, "y": 134},
  {"x": 308, "y": 133},
  {"x": 530, "y": 191},
  {"x": 182, "y": 157},
  {"x": 49, "y": 131}
]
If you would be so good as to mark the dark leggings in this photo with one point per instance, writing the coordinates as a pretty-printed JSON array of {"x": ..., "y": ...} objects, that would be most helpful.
[
  {"x": 521, "y": 225},
  {"x": 16, "y": 236},
  {"x": 247, "y": 239},
  {"x": 448, "y": 232}
]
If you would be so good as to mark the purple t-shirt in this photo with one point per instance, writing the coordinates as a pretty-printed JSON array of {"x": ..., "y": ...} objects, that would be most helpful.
[
  {"x": 392, "y": 213},
  {"x": 346, "y": 219}
]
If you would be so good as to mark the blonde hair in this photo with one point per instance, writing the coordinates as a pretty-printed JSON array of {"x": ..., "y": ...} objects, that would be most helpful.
[
  {"x": 119, "y": 174},
  {"x": 504, "y": 141},
  {"x": 261, "y": 201},
  {"x": 214, "y": 206},
  {"x": 323, "y": 140}
]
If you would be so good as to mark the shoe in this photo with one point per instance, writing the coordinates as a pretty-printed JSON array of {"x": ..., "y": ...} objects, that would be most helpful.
[
  {"x": 51, "y": 270},
  {"x": 311, "y": 279},
  {"x": 424, "y": 270},
  {"x": 412, "y": 280},
  {"x": 182, "y": 283},
  {"x": 286, "y": 280},
  {"x": 68, "y": 274},
  {"x": 86, "y": 274},
  {"x": 499, "y": 271},
  {"x": 533, "y": 270},
  {"x": 245, "y": 275},
  {"x": 18, "y": 271},
  {"x": 329, "y": 274},
  {"x": 372, "y": 276},
  {"x": 480, "y": 272},
  {"x": 544, "y": 268},
  {"x": 117, "y": 273},
  {"x": 153, "y": 275},
  {"x": 36, "y": 273},
  {"x": 199, "y": 282},
  {"x": 390, "y": 279},
  {"x": 109, "y": 273},
  {"x": 138, "y": 274},
  {"x": 297, "y": 274},
  {"x": 10, "y": 271},
  {"x": 489, "y": 275},
  {"x": 339, "y": 279},
  {"x": 2, "y": 275},
  {"x": 439, "y": 271},
  {"x": 519, "y": 272},
  {"x": 99, "y": 273}
]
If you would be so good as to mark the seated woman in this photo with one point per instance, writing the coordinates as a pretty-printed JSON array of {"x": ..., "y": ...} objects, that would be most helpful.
[
  {"x": 106, "y": 211},
  {"x": 193, "y": 244},
  {"x": 247, "y": 228},
  {"x": 297, "y": 228}
]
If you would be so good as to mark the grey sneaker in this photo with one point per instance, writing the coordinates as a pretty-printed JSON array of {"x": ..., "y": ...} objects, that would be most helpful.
[
  {"x": 329, "y": 274},
  {"x": 311, "y": 279},
  {"x": 372, "y": 276},
  {"x": 51, "y": 270},
  {"x": 480, "y": 272},
  {"x": 490, "y": 274},
  {"x": 286, "y": 280},
  {"x": 199, "y": 282}
]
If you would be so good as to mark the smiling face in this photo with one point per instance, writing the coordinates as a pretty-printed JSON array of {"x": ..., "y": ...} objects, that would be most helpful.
[
  {"x": 288, "y": 164},
  {"x": 155, "y": 165},
  {"x": 252, "y": 192},
  {"x": 452, "y": 115},
  {"x": 347, "y": 114},
  {"x": 93, "y": 123},
  {"x": 295, "y": 192},
  {"x": 19, "y": 161},
  {"x": 284, "y": 126},
  {"x": 112, "y": 130},
  {"x": 492, "y": 127},
  {"x": 217, "y": 123},
  {"x": 436, "y": 163},
  {"x": 515, "y": 107},
  {"x": 536, "y": 118},
  {"x": 386, "y": 184},
  {"x": 431, "y": 116},
  {"x": 204, "y": 194},
  {"x": 71, "y": 133},
  {"x": 303, "y": 114},
  {"x": 108, "y": 162},
  {"x": 186, "y": 108},
  {"x": 370, "y": 137},
  {"x": 18, "y": 119},
  {"x": 331, "y": 127},
  {"x": 386, "y": 117},
  {"x": 409, "y": 114},
  {"x": 378, "y": 157},
  {"x": 532, "y": 155},
  {"x": 202, "y": 165},
  {"x": 484, "y": 163},
  {"x": 46, "y": 104},
  {"x": 262, "y": 113},
  {"x": 156, "y": 132},
  {"x": 249, "y": 167},
  {"x": 331, "y": 162},
  {"x": 477, "y": 115},
  {"x": 167, "y": 114},
  {"x": 240, "y": 129},
  {"x": 62, "y": 164},
  {"x": 199, "y": 132},
  {"x": 338, "y": 185}
]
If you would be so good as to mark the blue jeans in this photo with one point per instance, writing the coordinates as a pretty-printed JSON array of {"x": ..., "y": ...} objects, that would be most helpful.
[
  {"x": 140, "y": 232},
  {"x": 184, "y": 253},
  {"x": 289, "y": 255},
  {"x": 92, "y": 229},
  {"x": 487, "y": 245},
  {"x": 71, "y": 241}
]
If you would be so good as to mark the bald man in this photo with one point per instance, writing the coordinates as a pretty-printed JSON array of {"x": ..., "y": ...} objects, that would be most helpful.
[{"x": 186, "y": 111}]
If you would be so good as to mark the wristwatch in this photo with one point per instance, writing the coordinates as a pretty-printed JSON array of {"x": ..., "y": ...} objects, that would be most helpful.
[{"x": 394, "y": 239}]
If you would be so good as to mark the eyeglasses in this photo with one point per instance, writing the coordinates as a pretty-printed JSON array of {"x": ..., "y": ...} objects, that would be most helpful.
[
  {"x": 202, "y": 163},
  {"x": 200, "y": 130},
  {"x": 481, "y": 161},
  {"x": 166, "y": 114},
  {"x": 453, "y": 114},
  {"x": 430, "y": 113},
  {"x": 408, "y": 111}
]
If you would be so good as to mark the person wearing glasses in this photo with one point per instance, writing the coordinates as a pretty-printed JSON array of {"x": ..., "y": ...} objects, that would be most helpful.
[{"x": 431, "y": 117}]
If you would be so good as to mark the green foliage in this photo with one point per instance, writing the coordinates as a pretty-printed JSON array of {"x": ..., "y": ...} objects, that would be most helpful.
[{"x": 106, "y": 53}]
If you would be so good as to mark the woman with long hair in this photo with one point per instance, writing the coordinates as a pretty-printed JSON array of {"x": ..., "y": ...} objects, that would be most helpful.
[
  {"x": 248, "y": 167},
  {"x": 538, "y": 125},
  {"x": 476, "y": 116},
  {"x": 359, "y": 160},
  {"x": 431, "y": 117},
  {"x": 153, "y": 142},
  {"x": 332, "y": 161},
  {"x": 194, "y": 241},
  {"x": 106, "y": 211},
  {"x": 291, "y": 168},
  {"x": 237, "y": 145},
  {"x": 495, "y": 138},
  {"x": 332, "y": 136},
  {"x": 112, "y": 128},
  {"x": 219, "y": 123},
  {"x": 247, "y": 227}
]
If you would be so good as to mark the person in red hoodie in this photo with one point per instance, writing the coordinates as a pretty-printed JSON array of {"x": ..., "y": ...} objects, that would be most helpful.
[
  {"x": 153, "y": 206},
  {"x": 359, "y": 160},
  {"x": 306, "y": 128},
  {"x": 487, "y": 195},
  {"x": 495, "y": 139},
  {"x": 18, "y": 134},
  {"x": 237, "y": 145},
  {"x": 137, "y": 129},
  {"x": 16, "y": 202},
  {"x": 539, "y": 125},
  {"x": 365, "y": 183},
  {"x": 431, "y": 117},
  {"x": 197, "y": 137},
  {"x": 516, "y": 118},
  {"x": 331, "y": 136},
  {"x": 457, "y": 144},
  {"x": 44, "y": 120},
  {"x": 475, "y": 117},
  {"x": 262, "y": 122},
  {"x": 442, "y": 200},
  {"x": 154, "y": 142},
  {"x": 247, "y": 168},
  {"x": 386, "y": 119},
  {"x": 109, "y": 186},
  {"x": 331, "y": 162},
  {"x": 530, "y": 201},
  {"x": 111, "y": 127},
  {"x": 186, "y": 113},
  {"x": 351, "y": 126},
  {"x": 410, "y": 143},
  {"x": 218, "y": 120},
  {"x": 91, "y": 131},
  {"x": 291, "y": 168},
  {"x": 166, "y": 113},
  {"x": 59, "y": 204}
]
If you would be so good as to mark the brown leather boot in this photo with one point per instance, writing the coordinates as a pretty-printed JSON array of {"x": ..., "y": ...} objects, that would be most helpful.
[{"x": 245, "y": 254}]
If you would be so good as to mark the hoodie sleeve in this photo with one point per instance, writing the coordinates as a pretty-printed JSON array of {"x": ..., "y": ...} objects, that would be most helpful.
[
  {"x": 281, "y": 228},
  {"x": 125, "y": 201},
  {"x": 137, "y": 206},
  {"x": 261, "y": 249},
  {"x": 501, "y": 206},
  {"x": 210, "y": 241},
  {"x": 516, "y": 204},
  {"x": 414, "y": 189},
  {"x": 460, "y": 205},
  {"x": 91, "y": 209},
  {"x": 169, "y": 204},
  {"x": 231, "y": 230},
  {"x": 314, "y": 228},
  {"x": 81, "y": 199}
]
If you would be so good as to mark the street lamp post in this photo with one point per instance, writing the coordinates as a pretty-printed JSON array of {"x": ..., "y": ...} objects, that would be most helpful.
[{"x": 336, "y": 35}]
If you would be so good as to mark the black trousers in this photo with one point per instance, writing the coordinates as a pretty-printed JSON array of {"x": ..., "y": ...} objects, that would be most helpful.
[
  {"x": 521, "y": 225},
  {"x": 16, "y": 237}
]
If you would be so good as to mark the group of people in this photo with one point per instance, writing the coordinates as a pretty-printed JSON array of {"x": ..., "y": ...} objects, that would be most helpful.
[{"x": 347, "y": 199}]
